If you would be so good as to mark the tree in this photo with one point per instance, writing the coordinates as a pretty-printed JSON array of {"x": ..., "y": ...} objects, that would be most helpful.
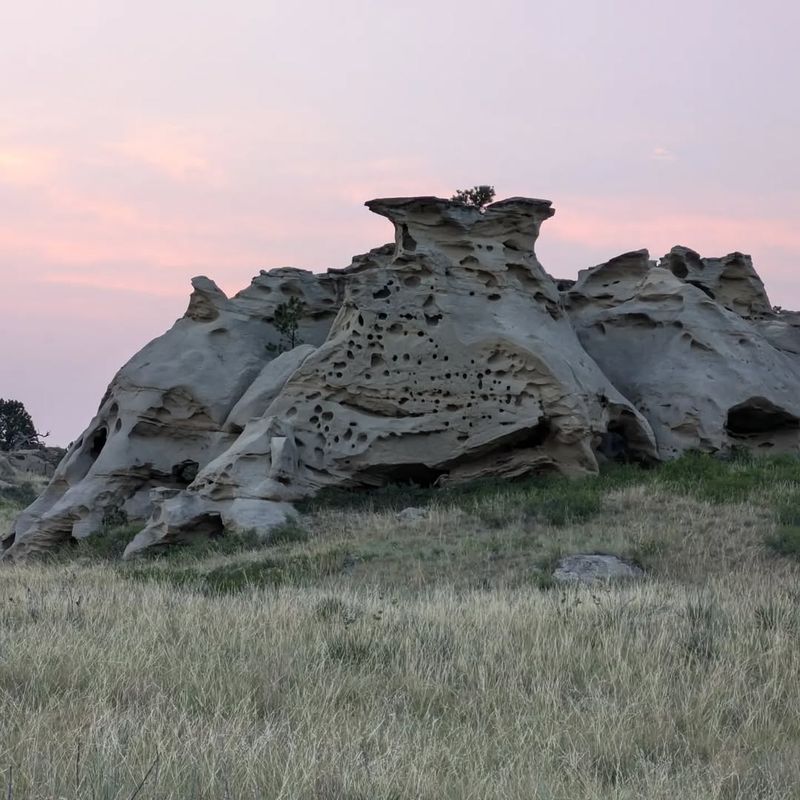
[
  {"x": 287, "y": 320},
  {"x": 17, "y": 430},
  {"x": 477, "y": 196}
]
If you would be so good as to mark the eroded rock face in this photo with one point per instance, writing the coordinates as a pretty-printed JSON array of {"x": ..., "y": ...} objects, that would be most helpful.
[
  {"x": 40, "y": 462},
  {"x": 453, "y": 361},
  {"x": 731, "y": 280},
  {"x": 450, "y": 359},
  {"x": 446, "y": 356},
  {"x": 704, "y": 377},
  {"x": 594, "y": 568},
  {"x": 166, "y": 413}
]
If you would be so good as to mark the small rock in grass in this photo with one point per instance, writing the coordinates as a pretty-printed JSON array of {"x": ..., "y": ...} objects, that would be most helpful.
[
  {"x": 584, "y": 568},
  {"x": 412, "y": 514}
]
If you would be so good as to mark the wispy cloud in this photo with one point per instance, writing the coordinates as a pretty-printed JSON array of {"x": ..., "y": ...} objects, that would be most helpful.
[
  {"x": 172, "y": 150},
  {"x": 26, "y": 166},
  {"x": 660, "y": 153}
]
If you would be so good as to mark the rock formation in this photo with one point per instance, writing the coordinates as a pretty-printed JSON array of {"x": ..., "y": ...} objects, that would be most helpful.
[
  {"x": 19, "y": 466},
  {"x": 703, "y": 376},
  {"x": 448, "y": 355}
]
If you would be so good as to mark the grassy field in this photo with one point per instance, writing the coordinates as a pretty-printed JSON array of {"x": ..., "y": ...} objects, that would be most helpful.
[{"x": 362, "y": 657}]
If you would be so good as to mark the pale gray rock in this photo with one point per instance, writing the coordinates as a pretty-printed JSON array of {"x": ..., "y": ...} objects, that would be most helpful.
[
  {"x": 164, "y": 416},
  {"x": 183, "y": 517},
  {"x": 703, "y": 376},
  {"x": 452, "y": 361},
  {"x": 411, "y": 515},
  {"x": 451, "y": 358},
  {"x": 594, "y": 568},
  {"x": 266, "y": 387},
  {"x": 731, "y": 280},
  {"x": 781, "y": 329}
]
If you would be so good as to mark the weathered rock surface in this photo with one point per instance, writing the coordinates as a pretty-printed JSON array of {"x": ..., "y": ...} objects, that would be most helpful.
[
  {"x": 450, "y": 359},
  {"x": 703, "y": 376},
  {"x": 731, "y": 280},
  {"x": 39, "y": 463},
  {"x": 455, "y": 360},
  {"x": 594, "y": 568},
  {"x": 446, "y": 356},
  {"x": 164, "y": 415}
]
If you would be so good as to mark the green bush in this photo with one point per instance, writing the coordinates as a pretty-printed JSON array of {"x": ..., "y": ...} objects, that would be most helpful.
[
  {"x": 477, "y": 196},
  {"x": 22, "y": 495},
  {"x": 786, "y": 541},
  {"x": 288, "y": 532}
]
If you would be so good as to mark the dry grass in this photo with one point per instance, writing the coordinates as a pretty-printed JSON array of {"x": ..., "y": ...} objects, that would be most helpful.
[{"x": 388, "y": 660}]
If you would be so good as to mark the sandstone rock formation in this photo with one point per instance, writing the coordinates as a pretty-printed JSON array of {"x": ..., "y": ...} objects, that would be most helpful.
[
  {"x": 703, "y": 376},
  {"x": 165, "y": 413},
  {"x": 40, "y": 462},
  {"x": 448, "y": 355},
  {"x": 731, "y": 280}
]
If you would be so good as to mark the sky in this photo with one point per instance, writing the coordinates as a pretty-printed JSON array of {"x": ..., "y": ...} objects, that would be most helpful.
[{"x": 143, "y": 143}]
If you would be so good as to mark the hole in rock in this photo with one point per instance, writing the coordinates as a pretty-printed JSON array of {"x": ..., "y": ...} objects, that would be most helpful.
[
  {"x": 409, "y": 242},
  {"x": 185, "y": 472},
  {"x": 759, "y": 416},
  {"x": 531, "y": 437},
  {"x": 703, "y": 288},
  {"x": 207, "y": 526},
  {"x": 679, "y": 269},
  {"x": 403, "y": 474},
  {"x": 99, "y": 439}
]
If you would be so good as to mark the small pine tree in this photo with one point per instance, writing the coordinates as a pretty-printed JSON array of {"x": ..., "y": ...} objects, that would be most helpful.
[
  {"x": 17, "y": 430},
  {"x": 287, "y": 321},
  {"x": 477, "y": 196}
]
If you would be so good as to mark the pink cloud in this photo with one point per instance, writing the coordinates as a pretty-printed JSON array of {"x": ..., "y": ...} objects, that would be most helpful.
[
  {"x": 25, "y": 165},
  {"x": 657, "y": 230},
  {"x": 174, "y": 151}
]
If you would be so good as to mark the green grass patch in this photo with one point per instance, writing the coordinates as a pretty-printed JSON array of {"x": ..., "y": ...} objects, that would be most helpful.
[
  {"x": 289, "y": 532},
  {"x": 786, "y": 541},
  {"x": 732, "y": 480},
  {"x": 287, "y": 569},
  {"x": 107, "y": 544},
  {"x": 22, "y": 495}
]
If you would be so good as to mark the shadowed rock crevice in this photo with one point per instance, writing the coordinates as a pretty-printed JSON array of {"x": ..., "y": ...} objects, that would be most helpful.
[{"x": 759, "y": 417}]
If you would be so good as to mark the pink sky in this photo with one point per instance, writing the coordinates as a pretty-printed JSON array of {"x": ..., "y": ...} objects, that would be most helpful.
[{"x": 144, "y": 143}]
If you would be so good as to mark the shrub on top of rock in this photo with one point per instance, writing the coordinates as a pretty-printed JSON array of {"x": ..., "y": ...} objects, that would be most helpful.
[{"x": 478, "y": 196}]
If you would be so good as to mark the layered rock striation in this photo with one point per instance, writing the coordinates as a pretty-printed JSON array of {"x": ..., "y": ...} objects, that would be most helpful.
[{"x": 448, "y": 355}]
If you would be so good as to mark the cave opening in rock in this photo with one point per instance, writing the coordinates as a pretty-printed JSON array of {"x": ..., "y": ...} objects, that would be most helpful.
[
  {"x": 185, "y": 472},
  {"x": 99, "y": 439},
  {"x": 679, "y": 268},
  {"x": 530, "y": 437},
  {"x": 758, "y": 417},
  {"x": 417, "y": 474},
  {"x": 703, "y": 288},
  {"x": 409, "y": 243},
  {"x": 204, "y": 526},
  {"x": 625, "y": 442}
]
